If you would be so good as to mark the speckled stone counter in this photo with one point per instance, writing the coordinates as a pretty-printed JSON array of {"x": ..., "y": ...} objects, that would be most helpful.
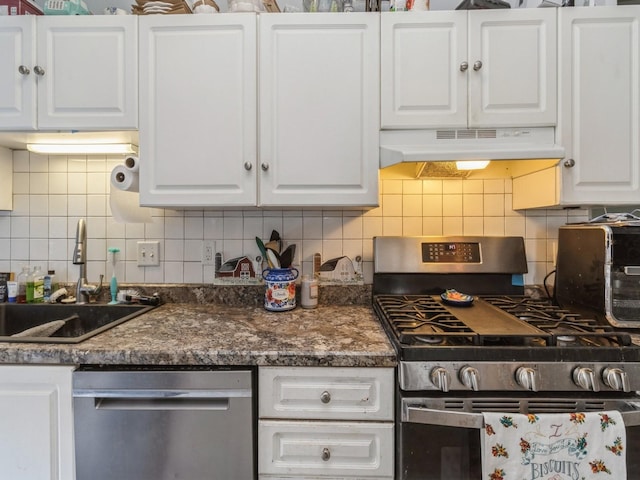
[{"x": 214, "y": 334}]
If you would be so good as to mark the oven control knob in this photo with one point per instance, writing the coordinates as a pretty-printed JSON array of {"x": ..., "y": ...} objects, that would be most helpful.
[
  {"x": 526, "y": 377},
  {"x": 616, "y": 378},
  {"x": 440, "y": 378},
  {"x": 469, "y": 377},
  {"x": 584, "y": 377}
]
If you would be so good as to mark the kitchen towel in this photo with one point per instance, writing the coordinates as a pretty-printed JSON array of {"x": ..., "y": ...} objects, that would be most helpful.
[{"x": 563, "y": 446}]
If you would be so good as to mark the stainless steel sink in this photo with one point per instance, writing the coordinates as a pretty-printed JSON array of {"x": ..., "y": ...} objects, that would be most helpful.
[{"x": 80, "y": 321}]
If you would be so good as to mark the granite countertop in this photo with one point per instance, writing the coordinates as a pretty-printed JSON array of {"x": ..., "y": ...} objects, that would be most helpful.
[{"x": 217, "y": 334}]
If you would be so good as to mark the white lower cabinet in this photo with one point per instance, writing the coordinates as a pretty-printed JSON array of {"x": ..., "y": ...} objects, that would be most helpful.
[
  {"x": 325, "y": 423},
  {"x": 36, "y": 432}
]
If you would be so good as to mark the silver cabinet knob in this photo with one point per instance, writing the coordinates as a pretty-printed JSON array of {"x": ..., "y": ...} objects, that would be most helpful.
[
  {"x": 569, "y": 162},
  {"x": 526, "y": 377},
  {"x": 616, "y": 378},
  {"x": 469, "y": 377},
  {"x": 326, "y": 454},
  {"x": 464, "y": 66},
  {"x": 440, "y": 378},
  {"x": 39, "y": 70},
  {"x": 325, "y": 397},
  {"x": 264, "y": 166},
  {"x": 477, "y": 65},
  {"x": 584, "y": 377},
  {"x": 24, "y": 70},
  {"x": 248, "y": 166}
]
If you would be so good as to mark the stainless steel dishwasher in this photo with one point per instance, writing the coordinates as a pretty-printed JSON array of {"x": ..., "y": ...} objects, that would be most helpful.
[{"x": 164, "y": 424}]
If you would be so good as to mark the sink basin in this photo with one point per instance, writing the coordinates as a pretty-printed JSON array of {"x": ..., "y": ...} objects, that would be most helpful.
[{"x": 80, "y": 321}]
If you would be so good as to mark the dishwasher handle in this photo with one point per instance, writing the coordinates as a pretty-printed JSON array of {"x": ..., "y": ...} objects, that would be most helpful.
[
  {"x": 430, "y": 416},
  {"x": 173, "y": 399}
]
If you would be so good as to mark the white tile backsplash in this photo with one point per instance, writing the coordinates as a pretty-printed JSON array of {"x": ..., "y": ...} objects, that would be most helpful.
[{"x": 52, "y": 193}]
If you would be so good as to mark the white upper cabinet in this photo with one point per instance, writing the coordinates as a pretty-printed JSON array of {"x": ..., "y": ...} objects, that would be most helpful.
[
  {"x": 69, "y": 73},
  {"x": 319, "y": 109},
  {"x": 17, "y": 87},
  {"x": 599, "y": 115},
  {"x": 600, "y": 104},
  {"x": 198, "y": 110},
  {"x": 488, "y": 68},
  {"x": 305, "y": 134}
]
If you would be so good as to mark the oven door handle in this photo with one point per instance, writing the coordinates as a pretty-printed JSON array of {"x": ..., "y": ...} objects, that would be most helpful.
[{"x": 429, "y": 416}]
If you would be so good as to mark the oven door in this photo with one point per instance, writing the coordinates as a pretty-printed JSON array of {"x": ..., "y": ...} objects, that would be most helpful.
[{"x": 439, "y": 438}]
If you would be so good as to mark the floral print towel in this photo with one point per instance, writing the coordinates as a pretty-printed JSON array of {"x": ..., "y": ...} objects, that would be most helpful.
[{"x": 563, "y": 446}]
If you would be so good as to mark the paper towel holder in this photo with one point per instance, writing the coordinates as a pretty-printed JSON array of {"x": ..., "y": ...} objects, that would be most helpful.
[{"x": 82, "y": 148}]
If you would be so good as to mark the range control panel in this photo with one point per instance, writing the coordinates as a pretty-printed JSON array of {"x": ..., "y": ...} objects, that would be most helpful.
[{"x": 453, "y": 252}]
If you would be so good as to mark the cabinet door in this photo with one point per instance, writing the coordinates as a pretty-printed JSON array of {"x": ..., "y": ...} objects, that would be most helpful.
[
  {"x": 89, "y": 76},
  {"x": 600, "y": 104},
  {"x": 198, "y": 110},
  {"x": 319, "y": 109},
  {"x": 423, "y": 77},
  {"x": 325, "y": 449},
  {"x": 326, "y": 393},
  {"x": 37, "y": 424},
  {"x": 512, "y": 68},
  {"x": 17, "y": 90}
]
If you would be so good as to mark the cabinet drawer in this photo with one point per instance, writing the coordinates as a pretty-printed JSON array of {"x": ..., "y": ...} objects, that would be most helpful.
[
  {"x": 325, "y": 449},
  {"x": 326, "y": 393}
]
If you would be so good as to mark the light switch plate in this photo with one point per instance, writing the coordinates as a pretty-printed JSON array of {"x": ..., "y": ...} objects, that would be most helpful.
[
  {"x": 148, "y": 254},
  {"x": 208, "y": 252}
]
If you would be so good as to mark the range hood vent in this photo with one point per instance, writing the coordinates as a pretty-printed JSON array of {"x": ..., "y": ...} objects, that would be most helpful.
[
  {"x": 397, "y": 146},
  {"x": 466, "y": 134}
]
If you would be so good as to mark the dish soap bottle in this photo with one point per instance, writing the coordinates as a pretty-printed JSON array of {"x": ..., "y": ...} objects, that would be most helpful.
[
  {"x": 50, "y": 285},
  {"x": 29, "y": 287},
  {"x": 38, "y": 285},
  {"x": 22, "y": 285}
]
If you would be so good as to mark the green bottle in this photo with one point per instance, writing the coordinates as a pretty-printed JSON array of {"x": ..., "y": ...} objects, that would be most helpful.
[
  {"x": 30, "y": 287},
  {"x": 38, "y": 285}
]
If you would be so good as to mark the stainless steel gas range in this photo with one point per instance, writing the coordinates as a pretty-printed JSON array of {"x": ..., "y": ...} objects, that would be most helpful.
[{"x": 470, "y": 341}]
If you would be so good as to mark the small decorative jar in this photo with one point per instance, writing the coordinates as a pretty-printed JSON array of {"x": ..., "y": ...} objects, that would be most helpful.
[
  {"x": 308, "y": 292},
  {"x": 280, "y": 294}
]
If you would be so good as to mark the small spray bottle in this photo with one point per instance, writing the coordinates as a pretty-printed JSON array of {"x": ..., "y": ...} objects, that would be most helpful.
[{"x": 114, "y": 282}]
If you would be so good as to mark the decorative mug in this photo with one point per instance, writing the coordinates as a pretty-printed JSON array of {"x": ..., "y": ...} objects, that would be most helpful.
[{"x": 280, "y": 294}]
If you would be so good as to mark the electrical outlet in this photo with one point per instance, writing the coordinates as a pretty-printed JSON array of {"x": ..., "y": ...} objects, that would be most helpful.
[
  {"x": 208, "y": 252},
  {"x": 148, "y": 254}
]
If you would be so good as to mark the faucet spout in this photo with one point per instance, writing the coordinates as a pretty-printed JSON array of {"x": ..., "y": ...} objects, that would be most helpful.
[
  {"x": 79, "y": 252},
  {"x": 83, "y": 289}
]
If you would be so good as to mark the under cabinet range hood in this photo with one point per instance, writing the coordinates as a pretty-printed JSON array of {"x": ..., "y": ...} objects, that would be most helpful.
[{"x": 447, "y": 144}]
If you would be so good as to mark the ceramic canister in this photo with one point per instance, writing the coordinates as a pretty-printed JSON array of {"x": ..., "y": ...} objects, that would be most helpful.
[{"x": 280, "y": 294}]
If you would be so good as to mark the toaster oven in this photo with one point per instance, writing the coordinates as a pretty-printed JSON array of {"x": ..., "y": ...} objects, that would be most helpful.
[{"x": 598, "y": 271}]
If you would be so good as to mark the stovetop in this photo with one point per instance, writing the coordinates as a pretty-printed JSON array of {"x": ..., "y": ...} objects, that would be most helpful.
[{"x": 497, "y": 327}]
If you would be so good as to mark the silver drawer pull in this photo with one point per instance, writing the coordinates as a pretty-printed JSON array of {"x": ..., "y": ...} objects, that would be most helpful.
[
  {"x": 632, "y": 270},
  {"x": 326, "y": 454},
  {"x": 325, "y": 397}
]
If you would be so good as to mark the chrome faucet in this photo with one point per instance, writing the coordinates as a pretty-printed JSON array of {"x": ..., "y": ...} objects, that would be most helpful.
[{"x": 83, "y": 289}]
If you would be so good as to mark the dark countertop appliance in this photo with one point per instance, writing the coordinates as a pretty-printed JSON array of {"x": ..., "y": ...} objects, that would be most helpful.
[
  {"x": 503, "y": 351},
  {"x": 598, "y": 271}
]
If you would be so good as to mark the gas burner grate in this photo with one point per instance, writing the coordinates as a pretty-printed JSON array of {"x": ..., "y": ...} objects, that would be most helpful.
[
  {"x": 566, "y": 328},
  {"x": 493, "y": 321},
  {"x": 419, "y": 319}
]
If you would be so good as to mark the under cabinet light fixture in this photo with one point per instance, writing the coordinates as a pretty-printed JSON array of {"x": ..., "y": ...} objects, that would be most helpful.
[
  {"x": 81, "y": 148},
  {"x": 472, "y": 164}
]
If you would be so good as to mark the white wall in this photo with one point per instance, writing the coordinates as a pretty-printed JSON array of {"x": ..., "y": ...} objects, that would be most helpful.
[{"x": 51, "y": 193}]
